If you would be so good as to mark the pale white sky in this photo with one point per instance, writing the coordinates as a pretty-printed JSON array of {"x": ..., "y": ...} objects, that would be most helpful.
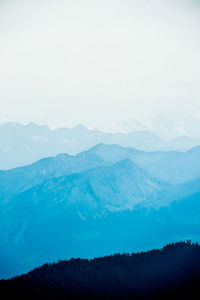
[{"x": 98, "y": 61}]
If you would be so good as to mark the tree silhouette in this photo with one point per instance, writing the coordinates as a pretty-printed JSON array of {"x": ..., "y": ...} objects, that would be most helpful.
[{"x": 173, "y": 271}]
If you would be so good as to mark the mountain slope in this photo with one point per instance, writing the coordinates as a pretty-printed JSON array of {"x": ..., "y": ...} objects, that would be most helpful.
[
  {"x": 34, "y": 231},
  {"x": 24, "y": 144},
  {"x": 61, "y": 207},
  {"x": 173, "y": 167},
  {"x": 119, "y": 186},
  {"x": 177, "y": 167},
  {"x": 114, "y": 153},
  {"x": 20, "y": 179},
  {"x": 169, "y": 273}
]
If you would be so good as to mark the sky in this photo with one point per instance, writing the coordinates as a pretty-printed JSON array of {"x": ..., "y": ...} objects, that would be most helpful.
[{"x": 99, "y": 61}]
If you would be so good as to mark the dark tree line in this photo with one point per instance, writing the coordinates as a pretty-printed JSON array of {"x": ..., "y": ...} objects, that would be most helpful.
[{"x": 172, "y": 272}]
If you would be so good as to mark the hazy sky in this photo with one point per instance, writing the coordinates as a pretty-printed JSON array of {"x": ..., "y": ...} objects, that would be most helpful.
[{"x": 95, "y": 61}]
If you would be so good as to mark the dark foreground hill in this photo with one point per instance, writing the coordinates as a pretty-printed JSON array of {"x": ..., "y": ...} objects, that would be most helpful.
[{"x": 170, "y": 273}]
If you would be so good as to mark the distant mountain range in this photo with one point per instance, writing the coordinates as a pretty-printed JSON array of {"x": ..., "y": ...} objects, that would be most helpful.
[
  {"x": 171, "y": 167},
  {"x": 165, "y": 126},
  {"x": 107, "y": 199},
  {"x": 24, "y": 144}
]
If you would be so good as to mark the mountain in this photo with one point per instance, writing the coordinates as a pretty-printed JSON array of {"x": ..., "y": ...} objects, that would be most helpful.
[
  {"x": 120, "y": 186},
  {"x": 172, "y": 272},
  {"x": 22, "y": 178},
  {"x": 25, "y": 144},
  {"x": 95, "y": 212},
  {"x": 35, "y": 230},
  {"x": 100, "y": 201},
  {"x": 114, "y": 153},
  {"x": 59, "y": 208},
  {"x": 176, "y": 125},
  {"x": 177, "y": 167},
  {"x": 170, "y": 166},
  {"x": 181, "y": 143}
]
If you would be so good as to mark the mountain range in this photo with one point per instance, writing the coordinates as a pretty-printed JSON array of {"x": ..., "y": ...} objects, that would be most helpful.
[
  {"x": 106, "y": 199},
  {"x": 171, "y": 167},
  {"x": 24, "y": 144}
]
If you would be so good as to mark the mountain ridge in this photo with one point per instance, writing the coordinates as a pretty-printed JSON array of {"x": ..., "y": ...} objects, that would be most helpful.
[
  {"x": 24, "y": 144},
  {"x": 156, "y": 274}
]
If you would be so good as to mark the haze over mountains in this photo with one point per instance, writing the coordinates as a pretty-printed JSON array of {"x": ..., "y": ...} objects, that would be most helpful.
[
  {"x": 165, "y": 126},
  {"x": 84, "y": 193},
  {"x": 25, "y": 144},
  {"x": 171, "y": 167},
  {"x": 99, "y": 136},
  {"x": 66, "y": 205}
]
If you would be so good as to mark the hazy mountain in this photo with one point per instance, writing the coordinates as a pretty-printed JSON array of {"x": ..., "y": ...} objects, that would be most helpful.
[
  {"x": 103, "y": 200},
  {"x": 180, "y": 170},
  {"x": 176, "y": 125},
  {"x": 94, "y": 212},
  {"x": 181, "y": 143},
  {"x": 114, "y": 153},
  {"x": 22, "y": 178},
  {"x": 177, "y": 167},
  {"x": 65, "y": 205},
  {"x": 105, "y": 188},
  {"x": 126, "y": 126},
  {"x": 167, "y": 127},
  {"x": 170, "y": 166},
  {"x": 37, "y": 227},
  {"x": 24, "y": 144}
]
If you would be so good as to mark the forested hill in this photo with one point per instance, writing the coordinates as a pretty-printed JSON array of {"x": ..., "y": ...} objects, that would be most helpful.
[{"x": 173, "y": 271}]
